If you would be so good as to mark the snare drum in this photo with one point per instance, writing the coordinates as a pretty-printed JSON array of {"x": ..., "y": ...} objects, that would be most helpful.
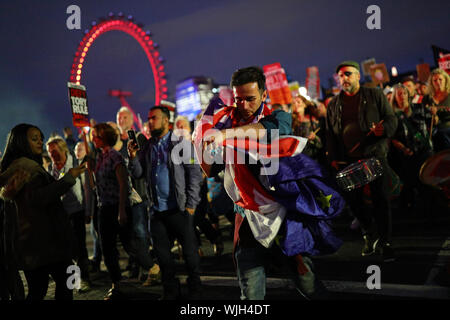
[{"x": 359, "y": 174}]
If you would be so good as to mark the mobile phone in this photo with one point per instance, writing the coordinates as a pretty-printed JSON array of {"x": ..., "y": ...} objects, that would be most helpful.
[{"x": 132, "y": 136}]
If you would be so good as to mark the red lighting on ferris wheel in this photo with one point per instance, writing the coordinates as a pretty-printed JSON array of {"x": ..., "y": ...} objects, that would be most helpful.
[{"x": 133, "y": 29}]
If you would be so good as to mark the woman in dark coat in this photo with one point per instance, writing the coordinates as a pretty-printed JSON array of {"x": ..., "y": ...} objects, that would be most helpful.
[{"x": 44, "y": 233}]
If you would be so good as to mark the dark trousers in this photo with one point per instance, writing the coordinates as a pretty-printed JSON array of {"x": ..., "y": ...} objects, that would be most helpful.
[
  {"x": 180, "y": 225},
  {"x": 37, "y": 280},
  {"x": 109, "y": 229},
  {"x": 77, "y": 219},
  {"x": 378, "y": 217},
  {"x": 97, "y": 250}
]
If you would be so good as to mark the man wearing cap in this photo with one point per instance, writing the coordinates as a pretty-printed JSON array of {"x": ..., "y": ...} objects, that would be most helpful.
[{"x": 359, "y": 123}]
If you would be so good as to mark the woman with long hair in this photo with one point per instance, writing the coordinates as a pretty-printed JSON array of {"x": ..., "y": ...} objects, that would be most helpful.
[
  {"x": 44, "y": 233},
  {"x": 411, "y": 142},
  {"x": 438, "y": 101},
  {"x": 114, "y": 193}
]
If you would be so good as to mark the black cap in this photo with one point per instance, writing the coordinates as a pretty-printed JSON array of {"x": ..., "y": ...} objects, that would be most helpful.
[{"x": 348, "y": 63}]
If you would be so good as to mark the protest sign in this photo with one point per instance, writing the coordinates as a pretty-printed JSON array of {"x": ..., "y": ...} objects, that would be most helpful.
[
  {"x": 313, "y": 82},
  {"x": 379, "y": 73},
  {"x": 277, "y": 84},
  {"x": 78, "y": 104}
]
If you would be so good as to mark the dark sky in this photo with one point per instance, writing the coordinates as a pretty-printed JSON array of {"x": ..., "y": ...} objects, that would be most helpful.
[{"x": 196, "y": 37}]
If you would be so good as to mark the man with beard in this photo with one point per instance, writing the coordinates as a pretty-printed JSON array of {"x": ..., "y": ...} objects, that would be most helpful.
[
  {"x": 359, "y": 123},
  {"x": 174, "y": 189}
]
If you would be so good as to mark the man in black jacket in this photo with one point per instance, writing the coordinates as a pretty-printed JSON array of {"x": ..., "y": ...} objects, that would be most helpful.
[
  {"x": 359, "y": 123},
  {"x": 174, "y": 183}
]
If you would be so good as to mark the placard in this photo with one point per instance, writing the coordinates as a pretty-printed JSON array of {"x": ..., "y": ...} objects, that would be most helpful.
[
  {"x": 365, "y": 66},
  {"x": 379, "y": 73},
  {"x": 277, "y": 84},
  {"x": 79, "y": 105},
  {"x": 313, "y": 82},
  {"x": 444, "y": 62},
  {"x": 423, "y": 72}
]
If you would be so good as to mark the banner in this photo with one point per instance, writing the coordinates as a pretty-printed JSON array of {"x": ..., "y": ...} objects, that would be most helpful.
[
  {"x": 438, "y": 54},
  {"x": 313, "y": 82},
  {"x": 79, "y": 105},
  {"x": 444, "y": 62},
  {"x": 277, "y": 84},
  {"x": 294, "y": 88},
  {"x": 379, "y": 73},
  {"x": 365, "y": 66},
  {"x": 423, "y": 72}
]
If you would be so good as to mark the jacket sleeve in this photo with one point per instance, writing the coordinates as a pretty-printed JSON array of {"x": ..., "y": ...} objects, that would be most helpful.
[
  {"x": 278, "y": 120},
  {"x": 42, "y": 195},
  {"x": 137, "y": 166},
  {"x": 387, "y": 113},
  {"x": 330, "y": 141},
  {"x": 194, "y": 179}
]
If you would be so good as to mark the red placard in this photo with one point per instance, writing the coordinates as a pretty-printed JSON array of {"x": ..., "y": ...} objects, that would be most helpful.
[
  {"x": 277, "y": 84},
  {"x": 444, "y": 63},
  {"x": 78, "y": 104}
]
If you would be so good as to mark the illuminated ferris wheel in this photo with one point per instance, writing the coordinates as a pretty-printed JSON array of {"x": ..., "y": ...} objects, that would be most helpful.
[{"x": 125, "y": 24}]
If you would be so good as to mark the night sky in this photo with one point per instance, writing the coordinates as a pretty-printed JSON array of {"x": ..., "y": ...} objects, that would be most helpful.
[{"x": 207, "y": 38}]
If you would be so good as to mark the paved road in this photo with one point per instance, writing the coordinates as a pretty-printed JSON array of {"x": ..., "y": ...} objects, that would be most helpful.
[{"x": 421, "y": 271}]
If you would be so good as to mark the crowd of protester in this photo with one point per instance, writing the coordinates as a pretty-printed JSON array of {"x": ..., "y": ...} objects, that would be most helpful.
[{"x": 100, "y": 179}]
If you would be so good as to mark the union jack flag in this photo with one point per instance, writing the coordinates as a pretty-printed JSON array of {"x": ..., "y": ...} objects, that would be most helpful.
[{"x": 292, "y": 205}]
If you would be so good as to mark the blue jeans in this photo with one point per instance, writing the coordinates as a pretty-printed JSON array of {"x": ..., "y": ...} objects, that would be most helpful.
[{"x": 251, "y": 269}]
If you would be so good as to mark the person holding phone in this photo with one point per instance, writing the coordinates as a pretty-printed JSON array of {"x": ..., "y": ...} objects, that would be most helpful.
[{"x": 174, "y": 193}]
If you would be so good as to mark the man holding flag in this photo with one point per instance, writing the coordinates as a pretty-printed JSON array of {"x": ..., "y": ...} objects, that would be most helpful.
[{"x": 282, "y": 198}]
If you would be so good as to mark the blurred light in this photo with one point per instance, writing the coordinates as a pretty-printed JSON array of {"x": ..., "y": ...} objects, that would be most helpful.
[
  {"x": 303, "y": 91},
  {"x": 78, "y": 78},
  {"x": 394, "y": 71}
]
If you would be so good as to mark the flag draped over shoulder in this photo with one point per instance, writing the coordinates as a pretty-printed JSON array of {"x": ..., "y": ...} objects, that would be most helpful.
[{"x": 290, "y": 187}]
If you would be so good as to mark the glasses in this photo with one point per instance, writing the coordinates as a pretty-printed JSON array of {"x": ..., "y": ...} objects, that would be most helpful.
[{"x": 346, "y": 73}]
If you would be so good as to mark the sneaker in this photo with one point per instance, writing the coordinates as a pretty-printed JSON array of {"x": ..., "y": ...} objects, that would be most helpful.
[
  {"x": 218, "y": 248},
  {"x": 154, "y": 276},
  {"x": 369, "y": 246},
  {"x": 114, "y": 294},
  {"x": 85, "y": 286},
  {"x": 388, "y": 252}
]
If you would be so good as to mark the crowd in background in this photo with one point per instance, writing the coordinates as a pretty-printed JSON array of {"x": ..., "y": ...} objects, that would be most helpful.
[{"x": 88, "y": 177}]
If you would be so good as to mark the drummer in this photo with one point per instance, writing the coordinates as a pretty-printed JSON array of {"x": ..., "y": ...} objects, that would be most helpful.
[{"x": 359, "y": 123}]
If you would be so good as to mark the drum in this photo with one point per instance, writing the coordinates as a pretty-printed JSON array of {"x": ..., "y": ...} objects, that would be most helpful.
[
  {"x": 359, "y": 174},
  {"x": 435, "y": 172}
]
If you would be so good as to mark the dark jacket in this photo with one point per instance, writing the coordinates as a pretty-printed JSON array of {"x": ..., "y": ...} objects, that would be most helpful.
[
  {"x": 44, "y": 232},
  {"x": 373, "y": 108},
  {"x": 185, "y": 176}
]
